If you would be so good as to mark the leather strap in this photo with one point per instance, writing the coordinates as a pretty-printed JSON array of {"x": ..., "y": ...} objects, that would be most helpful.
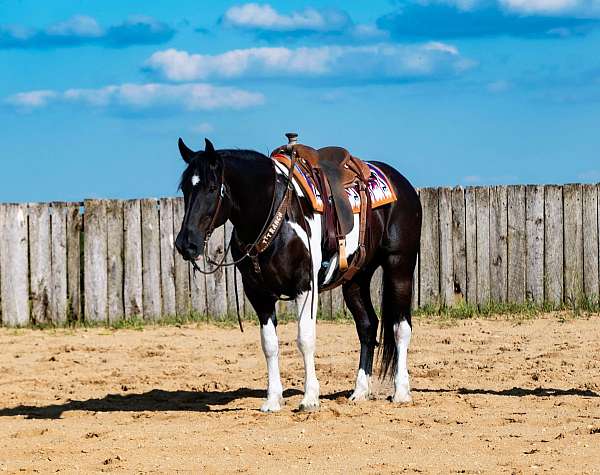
[{"x": 267, "y": 238}]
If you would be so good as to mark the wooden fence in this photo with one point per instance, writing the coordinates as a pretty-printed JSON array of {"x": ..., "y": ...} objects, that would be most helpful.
[{"x": 108, "y": 259}]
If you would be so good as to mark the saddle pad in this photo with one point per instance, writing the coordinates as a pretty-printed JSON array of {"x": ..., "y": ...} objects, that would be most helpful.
[{"x": 379, "y": 187}]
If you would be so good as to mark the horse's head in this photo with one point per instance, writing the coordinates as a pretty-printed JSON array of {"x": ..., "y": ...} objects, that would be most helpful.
[{"x": 205, "y": 205}]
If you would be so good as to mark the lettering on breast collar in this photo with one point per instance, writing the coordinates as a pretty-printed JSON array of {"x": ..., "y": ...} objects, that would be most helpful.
[{"x": 274, "y": 225}]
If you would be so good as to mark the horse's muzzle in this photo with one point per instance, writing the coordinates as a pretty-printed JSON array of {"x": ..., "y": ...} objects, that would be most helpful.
[{"x": 189, "y": 248}]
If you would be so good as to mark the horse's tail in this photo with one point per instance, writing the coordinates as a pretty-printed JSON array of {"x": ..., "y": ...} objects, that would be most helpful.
[
  {"x": 388, "y": 351},
  {"x": 396, "y": 300}
]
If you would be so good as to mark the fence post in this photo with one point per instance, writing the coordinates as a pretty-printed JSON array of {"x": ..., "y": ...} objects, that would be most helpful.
[
  {"x": 429, "y": 273},
  {"x": 59, "y": 302},
  {"x": 535, "y": 242},
  {"x": 14, "y": 265},
  {"x": 498, "y": 243},
  {"x": 151, "y": 260},
  {"x": 516, "y": 244},
  {"x": 95, "y": 269},
  {"x": 573, "y": 246}
]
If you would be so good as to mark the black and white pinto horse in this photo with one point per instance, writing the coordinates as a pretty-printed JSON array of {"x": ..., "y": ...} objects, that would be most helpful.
[{"x": 295, "y": 265}]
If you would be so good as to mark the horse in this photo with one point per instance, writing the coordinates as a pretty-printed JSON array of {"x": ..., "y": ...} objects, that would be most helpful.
[{"x": 244, "y": 187}]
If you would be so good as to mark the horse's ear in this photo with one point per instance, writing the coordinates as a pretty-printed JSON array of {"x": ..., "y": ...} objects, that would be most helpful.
[
  {"x": 209, "y": 148},
  {"x": 186, "y": 153}
]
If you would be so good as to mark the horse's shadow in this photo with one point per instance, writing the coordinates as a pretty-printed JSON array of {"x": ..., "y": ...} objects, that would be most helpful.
[{"x": 204, "y": 401}]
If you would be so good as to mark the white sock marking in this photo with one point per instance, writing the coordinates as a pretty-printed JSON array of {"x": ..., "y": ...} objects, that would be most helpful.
[
  {"x": 270, "y": 346},
  {"x": 362, "y": 389},
  {"x": 402, "y": 333}
]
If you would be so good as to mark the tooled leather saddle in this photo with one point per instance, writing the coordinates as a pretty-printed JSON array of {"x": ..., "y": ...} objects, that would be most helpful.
[{"x": 334, "y": 170}]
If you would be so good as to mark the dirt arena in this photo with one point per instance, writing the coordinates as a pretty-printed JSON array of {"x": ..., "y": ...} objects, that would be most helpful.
[{"x": 490, "y": 396}]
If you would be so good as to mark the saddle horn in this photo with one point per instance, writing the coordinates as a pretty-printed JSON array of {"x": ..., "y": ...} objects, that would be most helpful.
[{"x": 292, "y": 139}]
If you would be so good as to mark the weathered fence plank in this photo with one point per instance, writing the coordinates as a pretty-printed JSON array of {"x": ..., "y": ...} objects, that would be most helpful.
[
  {"x": 482, "y": 198},
  {"x": 325, "y": 307},
  {"x": 429, "y": 288},
  {"x": 198, "y": 291},
  {"x": 415, "y": 281},
  {"x": 14, "y": 265},
  {"x": 40, "y": 262},
  {"x": 498, "y": 243},
  {"x": 182, "y": 269},
  {"x": 74, "y": 227},
  {"x": 471, "y": 244},
  {"x": 590, "y": 242},
  {"x": 376, "y": 288},
  {"x": 534, "y": 226},
  {"x": 553, "y": 244},
  {"x": 446, "y": 252},
  {"x": 59, "y": 296},
  {"x": 151, "y": 259},
  {"x": 415, "y": 286},
  {"x": 167, "y": 258},
  {"x": 338, "y": 307},
  {"x": 216, "y": 285},
  {"x": 517, "y": 253},
  {"x": 132, "y": 244},
  {"x": 459, "y": 245},
  {"x": 573, "y": 246},
  {"x": 95, "y": 262},
  {"x": 115, "y": 248},
  {"x": 233, "y": 276}
]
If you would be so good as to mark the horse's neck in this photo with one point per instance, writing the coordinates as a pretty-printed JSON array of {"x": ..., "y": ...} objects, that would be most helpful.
[{"x": 251, "y": 187}]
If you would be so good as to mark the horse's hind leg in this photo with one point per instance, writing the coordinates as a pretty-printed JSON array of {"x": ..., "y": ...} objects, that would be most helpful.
[
  {"x": 358, "y": 299},
  {"x": 396, "y": 322}
]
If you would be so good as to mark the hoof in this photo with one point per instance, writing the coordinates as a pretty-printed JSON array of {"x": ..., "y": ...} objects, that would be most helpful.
[
  {"x": 271, "y": 405},
  {"x": 402, "y": 398},
  {"x": 309, "y": 405},
  {"x": 358, "y": 396}
]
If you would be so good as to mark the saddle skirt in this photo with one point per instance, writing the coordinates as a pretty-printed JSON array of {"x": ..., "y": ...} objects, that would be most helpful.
[{"x": 379, "y": 187}]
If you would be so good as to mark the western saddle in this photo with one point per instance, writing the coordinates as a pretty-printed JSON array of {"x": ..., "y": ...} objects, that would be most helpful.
[{"x": 334, "y": 170}]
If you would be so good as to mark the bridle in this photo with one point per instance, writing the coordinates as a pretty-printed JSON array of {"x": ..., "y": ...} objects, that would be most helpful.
[{"x": 265, "y": 236}]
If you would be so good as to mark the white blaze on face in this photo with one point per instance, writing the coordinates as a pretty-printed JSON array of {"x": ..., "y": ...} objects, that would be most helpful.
[{"x": 195, "y": 180}]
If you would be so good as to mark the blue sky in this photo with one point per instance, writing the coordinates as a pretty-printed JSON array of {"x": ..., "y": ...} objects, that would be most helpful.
[{"x": 94, "y": 94}]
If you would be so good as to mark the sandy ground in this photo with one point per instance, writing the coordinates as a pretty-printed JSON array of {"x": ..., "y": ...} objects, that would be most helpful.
[{"x": 490, "y": 396}]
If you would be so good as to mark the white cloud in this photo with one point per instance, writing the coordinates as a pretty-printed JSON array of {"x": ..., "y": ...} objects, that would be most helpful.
[
  {"x": 79, "y": 25},
  {"x": 255, "y": 16},
  {"x": 31, "y": 99},
  {"x": 530, "y": 7},
  {"x": 540, "y": 6},
  {"x": 380, "y": 61},
  {"x": 196, "y": 96}
]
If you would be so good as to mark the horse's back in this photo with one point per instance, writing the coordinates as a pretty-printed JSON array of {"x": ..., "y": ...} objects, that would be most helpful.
[{"x": 403, "y": 216}]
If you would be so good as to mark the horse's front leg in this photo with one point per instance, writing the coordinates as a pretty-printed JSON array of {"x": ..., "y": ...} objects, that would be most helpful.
[
  {"x": 270, "y": 346},
  {"x": 265, "y": 309},
  {"x": 307, "y": 333}
]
